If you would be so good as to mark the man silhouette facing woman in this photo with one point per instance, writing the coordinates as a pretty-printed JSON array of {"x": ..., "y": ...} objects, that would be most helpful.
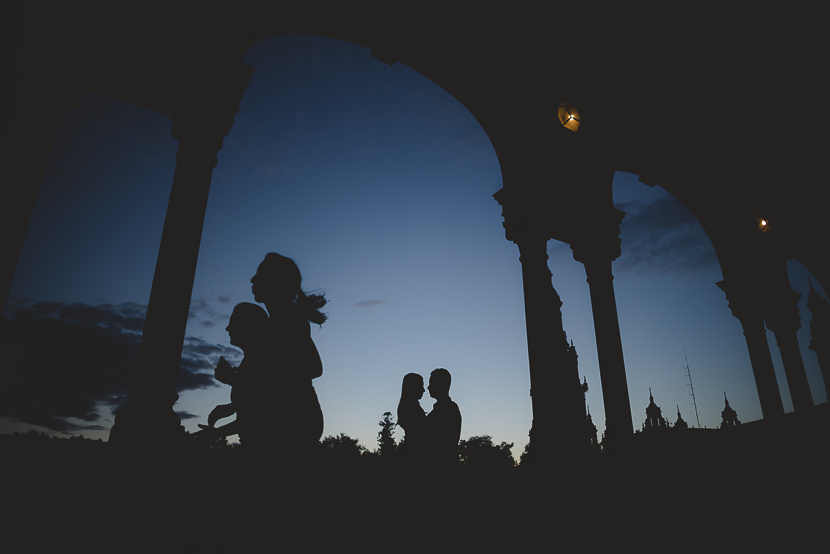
[{"x": 430, "y": 440}]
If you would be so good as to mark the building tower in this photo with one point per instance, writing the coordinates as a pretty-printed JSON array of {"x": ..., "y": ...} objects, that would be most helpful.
[
  {"x": 654, "y": 415},
  {"x": 730, "y": 417},
  {"x": 680, "y": 423}
]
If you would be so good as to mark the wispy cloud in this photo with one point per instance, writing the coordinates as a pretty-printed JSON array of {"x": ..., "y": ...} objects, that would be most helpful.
[
  {"x": 204, "y": 310},
  {"x": 369, "y": 303},
  {"x": 67, "y": 361},
  {"x": 663, "y": 237}
]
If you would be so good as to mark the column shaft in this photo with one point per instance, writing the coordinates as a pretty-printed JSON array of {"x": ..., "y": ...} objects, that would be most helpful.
[
  {"x": 149, "y": 415},
  {"x": 558, "y": 413},
  {"x": 609, "y": 347},
  {"x": 151, "y": 398},
  {"x": 794, "y": 370},
  {"x": 744, "y": 305},
  {"x": 759, "y": 356},
  {"x": 38, "y": 115},
  {"x": 784, "y": 320}
]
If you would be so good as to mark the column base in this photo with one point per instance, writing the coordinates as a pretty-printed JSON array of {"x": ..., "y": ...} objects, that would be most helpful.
[{"x": 147, "y": 424}]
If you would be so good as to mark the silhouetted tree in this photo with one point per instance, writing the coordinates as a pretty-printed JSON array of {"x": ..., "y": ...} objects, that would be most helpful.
[
  {"x": 386, "y": 435},
  {"x": 341, "y": 448},
  {"x": 480, "y": 452}
]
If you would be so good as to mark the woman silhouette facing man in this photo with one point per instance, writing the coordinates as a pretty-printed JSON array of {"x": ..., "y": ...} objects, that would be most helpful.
[{"x": 412, "y": 419}]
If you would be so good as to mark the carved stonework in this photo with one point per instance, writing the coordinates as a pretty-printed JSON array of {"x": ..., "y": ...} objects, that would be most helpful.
[{"x": 820, "y": 333}]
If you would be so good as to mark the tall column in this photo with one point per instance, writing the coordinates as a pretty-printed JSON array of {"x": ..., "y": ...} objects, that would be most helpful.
[
  {"x": 609, "y": 347},
  {"x": 820, "y": 334},
  {"x": 596, "y": 250},
  {"x": 745, "y": 307},
  {"x": 556, "y": 393},
  {"x": 200, "y": 128},
  {"x": 40, "y": 111},
  {"x": 784, "y": 321}
]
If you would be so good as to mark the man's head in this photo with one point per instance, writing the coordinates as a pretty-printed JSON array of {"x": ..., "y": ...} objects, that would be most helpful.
[{"x": 439, "y": 383}]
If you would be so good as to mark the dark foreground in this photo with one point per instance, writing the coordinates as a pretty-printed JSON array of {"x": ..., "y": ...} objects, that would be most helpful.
[{"x": 656, "y": 495}]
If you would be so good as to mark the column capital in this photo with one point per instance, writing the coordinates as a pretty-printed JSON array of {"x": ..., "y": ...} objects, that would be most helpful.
[
  {"x": 598, "y": 236},
  {"x": 204, "y": 113},
  {"x": 743, "y": 303},
  {"x": 782, "y": 315},
  {"x": 201, "y": 131},
  {"x": 522, "y": 217}
]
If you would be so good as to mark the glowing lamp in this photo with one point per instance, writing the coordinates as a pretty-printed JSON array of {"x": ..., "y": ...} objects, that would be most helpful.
[
  {"x": 763, "y": 224},
  {"x": 568, "y": 116}
]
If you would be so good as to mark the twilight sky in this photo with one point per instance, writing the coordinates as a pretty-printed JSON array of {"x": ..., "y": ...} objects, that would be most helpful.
[{"x": 379, "y": 184}]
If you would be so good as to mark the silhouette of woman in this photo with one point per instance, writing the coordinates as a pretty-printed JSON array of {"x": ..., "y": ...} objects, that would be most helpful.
[
  {"x": 288, "y": 361},
  {"x": 412, "y": 418}
]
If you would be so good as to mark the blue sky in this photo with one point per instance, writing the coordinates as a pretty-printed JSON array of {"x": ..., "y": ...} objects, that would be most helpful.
[{"x": 379, "y": 184}]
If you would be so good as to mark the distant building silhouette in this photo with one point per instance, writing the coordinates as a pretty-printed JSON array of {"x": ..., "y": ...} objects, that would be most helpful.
[
  {"x": 730, "y": 417},
  {"x": 590, "y": 428},
  {"x": 680, "y": 423},
  {"x": 654, "y": 415}
]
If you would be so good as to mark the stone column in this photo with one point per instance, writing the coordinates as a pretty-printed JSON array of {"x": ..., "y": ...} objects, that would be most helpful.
[
  {"x": 820, "y": 334},
  {"x": 200, "y": 128},
  {"x": 39, "y": 113},
  {"x": 744, "y": 306},
  {"x": 557, "y": 399},
  {"x": 596, "y": 249},
  {"x": 784, "y": 321}
]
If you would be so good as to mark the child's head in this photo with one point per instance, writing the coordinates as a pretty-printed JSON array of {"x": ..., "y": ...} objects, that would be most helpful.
[{"x": 247, "y": 325}]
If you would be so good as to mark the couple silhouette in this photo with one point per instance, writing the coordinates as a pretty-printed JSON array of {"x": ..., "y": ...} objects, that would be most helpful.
[
  {"x": 277, "y": 412},
  {"x": 430, "y": 440}
]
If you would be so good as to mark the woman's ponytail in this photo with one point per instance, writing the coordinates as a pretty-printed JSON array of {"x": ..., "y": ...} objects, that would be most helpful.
[{"x": 310, "y": 305}]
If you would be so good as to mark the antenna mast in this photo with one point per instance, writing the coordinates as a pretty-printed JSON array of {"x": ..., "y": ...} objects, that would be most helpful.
[{"x": 691, "y": 387}]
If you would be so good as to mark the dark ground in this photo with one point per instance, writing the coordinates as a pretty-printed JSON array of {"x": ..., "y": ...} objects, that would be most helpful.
[{"x": 747, "y": 493}]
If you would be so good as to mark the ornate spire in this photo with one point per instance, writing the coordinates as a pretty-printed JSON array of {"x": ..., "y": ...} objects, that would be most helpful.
[
  {"x": 680, "y": 423},
  {"x": 729, "y": 416},
  {"x": 654, "y": 415}
]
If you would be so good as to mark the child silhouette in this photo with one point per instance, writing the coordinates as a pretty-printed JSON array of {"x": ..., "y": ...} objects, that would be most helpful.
[{"x": 246, "y": 329}]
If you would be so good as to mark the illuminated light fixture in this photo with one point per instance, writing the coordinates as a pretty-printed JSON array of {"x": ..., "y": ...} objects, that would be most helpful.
[
  {"x": 568, "y": 116},
  {"x": 763, "y": 224}
]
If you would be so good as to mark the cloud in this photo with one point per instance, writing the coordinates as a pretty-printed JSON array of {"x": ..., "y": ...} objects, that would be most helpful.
[
  {"x": 203, "y": 311},
  {"x": 369, "y": 303},
  {"x": 663, "y": 237},
  {"x": 65, "y": 362}
]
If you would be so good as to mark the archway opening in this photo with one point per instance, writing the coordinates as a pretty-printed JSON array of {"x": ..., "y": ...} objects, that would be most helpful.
[
  {"x": 677, "y": 330},
  {"x": 378, "y": 183}
]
